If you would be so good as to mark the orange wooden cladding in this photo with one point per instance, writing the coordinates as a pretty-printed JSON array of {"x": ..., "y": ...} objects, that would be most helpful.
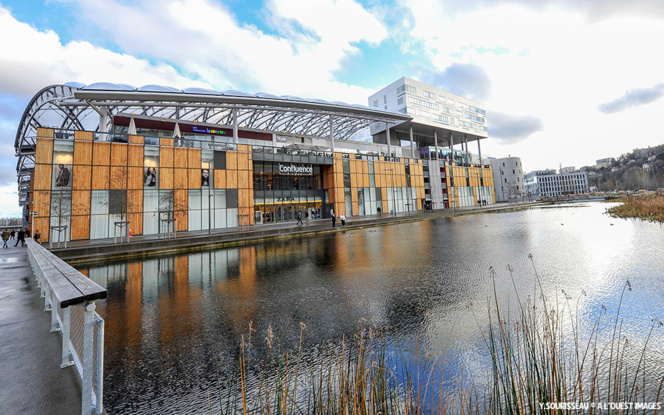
[
  {"x": 166, "y": 142},
  {"x": 231, "y": 179},
  {"x": 135, "y": 223},
  {"x": 165, "y": 178},
  {"x": 231, "y": 160},
  {"x": 220, "y": 179},
  {"x": 180, "y": 179},
  {"x": 101, "y": 154},
  {"x": 80, "y": 227},
  {"x": 136, "y": 139},
  {"x": 194, "y": 179},
  {"x": 243, "y": 179},
  {"x": 80, "y": 202},
  {"x": 135, "y": 180},
  {"x": 44, "y": 153},
  {"x": 119, "y": 177},
  {"x": 42, "y": 177},
  {"x": 100, "y": 177},
  {"x": 135, "y": 156},
  {"x": 181, "y": 158},
  {"x": 45, "y": 132},
  {"x": 166, "y": 157},
  {"x": 42, "y": 225},
  {"x": 243, "y": 161},
  {"x": 83, "y": 135},
  {"x": 194, "y": 158},
  {"x": 135, "y": 201},
  {"x": 83, "y": 153}
]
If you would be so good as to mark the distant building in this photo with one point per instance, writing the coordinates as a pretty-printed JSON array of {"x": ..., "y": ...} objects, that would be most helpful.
[
  {"x": 605, "y": 163},
  {"x": 546, "y": 183},
  {"x": 508, "y": 179},
  {"x": 568, "y": 169}
]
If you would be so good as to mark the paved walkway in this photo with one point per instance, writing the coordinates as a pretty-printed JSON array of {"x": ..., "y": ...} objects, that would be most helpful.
[{"x": 31, "y": 381}]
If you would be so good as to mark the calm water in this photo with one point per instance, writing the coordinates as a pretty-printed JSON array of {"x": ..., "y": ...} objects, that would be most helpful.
[{"x": 171, "y": 321}]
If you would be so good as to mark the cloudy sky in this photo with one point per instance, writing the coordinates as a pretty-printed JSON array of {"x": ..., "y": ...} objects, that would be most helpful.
[{"x": 564, "y": 81}]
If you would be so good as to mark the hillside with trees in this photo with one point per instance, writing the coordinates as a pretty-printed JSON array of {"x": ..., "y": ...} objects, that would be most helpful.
[{"x": 641, "y": 169}]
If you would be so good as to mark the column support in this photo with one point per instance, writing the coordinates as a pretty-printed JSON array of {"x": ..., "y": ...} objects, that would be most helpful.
[
  {"x": 331, "y": 133},
  {"x": 412, "y": 152},
  {"x": 235, "y": 137},
  {"x": 387, "y": 134},
  {"x": 435, "y": 143},
  {"x": 479, "y": 150}
]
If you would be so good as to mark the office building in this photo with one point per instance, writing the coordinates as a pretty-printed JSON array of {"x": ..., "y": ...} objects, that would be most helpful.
[{"x": 508, "y": 179}]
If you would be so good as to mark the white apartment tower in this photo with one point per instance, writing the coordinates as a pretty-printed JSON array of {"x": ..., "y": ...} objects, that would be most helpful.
[{"x": 508, "y": 179}]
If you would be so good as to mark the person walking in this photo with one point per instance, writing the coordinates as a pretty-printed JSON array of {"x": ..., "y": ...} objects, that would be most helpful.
[
  {"x": 334, "y": 219},
  {"x": 299, "y": 218},
  {"x": 37, "y": 236},
  {"x": 5, "y": 238},
  {"x": 306, "y": 215},
  {"x": 20, "y": 238},
  {"x": 12, "y": 234},
  {"x": 343, "y": 220}
]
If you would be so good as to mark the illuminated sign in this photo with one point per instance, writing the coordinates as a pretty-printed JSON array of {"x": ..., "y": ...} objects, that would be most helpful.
[
  {"x": 293, "y": 169},
  {"x": 205, "y": 130}
]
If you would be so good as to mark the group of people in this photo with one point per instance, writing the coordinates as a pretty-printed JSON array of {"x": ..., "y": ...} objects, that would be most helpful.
[
  {"x": 342, "y": 218},
  {"x": 20, "y": 236},
  {"x": 481, "y": 202}
]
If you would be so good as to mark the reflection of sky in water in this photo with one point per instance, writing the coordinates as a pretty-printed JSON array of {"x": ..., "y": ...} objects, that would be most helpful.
[{"x": 169, "y": 321}]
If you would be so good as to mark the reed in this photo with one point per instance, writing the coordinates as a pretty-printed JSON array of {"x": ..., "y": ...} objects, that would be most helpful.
[
  {"x": 647, "y": 207},
  {"x": 545, "y": 357}
]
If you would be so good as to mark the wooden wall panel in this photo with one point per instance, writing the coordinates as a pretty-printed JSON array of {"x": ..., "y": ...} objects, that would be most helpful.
[
  {"x": 135, "y": 201},
  {"x": 119, "y": 177},
  {"x": 194, "y": 158},
  {"x": 135, "y": 223},
  {"x": 83, "y": 152},
  {"x": 136, "y": 139},
  {"x": 166, "y": 142},
  {"x": 353, "y": 180},
  {"x": 180, "y": 158},
  {"x": 231, "y": 160},
  {"x": 41, "y": 224},
  {"x": 135, "y": 180},
  {"x": 243, "y": 179},
  {"x": 80, "y": 227},
  {"x": 182, "y": 222},
  {"x": 180, "y": 178},
  {"x": 100, "y": 177},
  {"x": 243, "y": 161},
  {"x": 42, "y": 179},
  {"x": 80, "y": 202},
  {"x": 119, "y": 154},
  {"x": 42, "y": 204},
  {"x": 135, "y": 156},
  {"x": 165, "y": 178},
  {"x": 245, "y": 197},
  {"x": 101, "y": 154},
  {"x": 219, "y": 179},
  {"x": 165, "y": 157},
  {"x": 83, "y": 135},
  {"x": 82, "y": 179},
  {"x": 45, "y": 132},
  {"x": 194, "y": 181},
  {"x": 355, "y": 208},
  {"x": 44, "y": 153},
  {"x": 231, "y": 179}
]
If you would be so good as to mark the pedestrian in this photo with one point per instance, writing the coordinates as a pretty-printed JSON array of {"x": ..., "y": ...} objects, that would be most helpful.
[
  {"x": 306, "y": 215},
  {"x": 37, "y": 236},
  {"x": 334, "y": 219},
  {"x": 12, "y": 234},
  {"x": 20, "y": 237},
  {"x": 5, "y": 238},
  {"x": 343, "y": 220},
  {"x": 379, "y": 210},
  {"x": 299, "y": 218}
]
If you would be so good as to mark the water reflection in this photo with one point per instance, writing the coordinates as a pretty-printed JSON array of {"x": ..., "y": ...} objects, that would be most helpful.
[{"x": 170, "y": 322}]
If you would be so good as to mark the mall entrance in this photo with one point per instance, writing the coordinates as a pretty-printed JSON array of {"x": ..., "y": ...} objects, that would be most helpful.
[{"x": 286, "y": 212}]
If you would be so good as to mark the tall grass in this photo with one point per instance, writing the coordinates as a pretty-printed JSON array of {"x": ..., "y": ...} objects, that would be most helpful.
[
  {"x": 648, "y": 207},
  {"x": 545, "y": 357}
]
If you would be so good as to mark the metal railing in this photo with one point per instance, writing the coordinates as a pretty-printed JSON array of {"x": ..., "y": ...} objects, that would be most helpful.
[{"x": 81, "y": 327}]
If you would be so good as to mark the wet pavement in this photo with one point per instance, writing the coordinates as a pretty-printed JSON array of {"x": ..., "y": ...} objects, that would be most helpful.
[{"x": 31, "y": 381}]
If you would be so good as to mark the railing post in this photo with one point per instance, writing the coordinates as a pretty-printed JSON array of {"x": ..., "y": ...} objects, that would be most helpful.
[
  {"x": 54, "y": 313},
  {"x": 88, "y": 357},
  {"x": 66, "y": 329},
  {"x": 99, "y": 390}
]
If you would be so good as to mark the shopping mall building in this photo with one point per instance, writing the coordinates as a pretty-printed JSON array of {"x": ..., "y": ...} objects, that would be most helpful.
[{"x": 99, "y": 160}]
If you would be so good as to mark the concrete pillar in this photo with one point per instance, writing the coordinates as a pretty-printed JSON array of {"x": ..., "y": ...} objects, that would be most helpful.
[
  {"x": 465, "y": 141},
  {"x": 103, "y": 121},
  {"x": 331, "y": 133},
  {"x": 387, "y": 134},
  {"x": 412, "y": 151},
  {"x": 479, "y": 150},
  {"x": 435, "y": 143},
  {"x": 451, "y": 148},
  {"x": 235, "y": 137}
]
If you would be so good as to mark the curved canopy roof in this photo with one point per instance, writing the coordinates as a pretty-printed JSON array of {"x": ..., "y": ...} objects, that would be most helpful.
[{"x": 76, "y": 106}]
